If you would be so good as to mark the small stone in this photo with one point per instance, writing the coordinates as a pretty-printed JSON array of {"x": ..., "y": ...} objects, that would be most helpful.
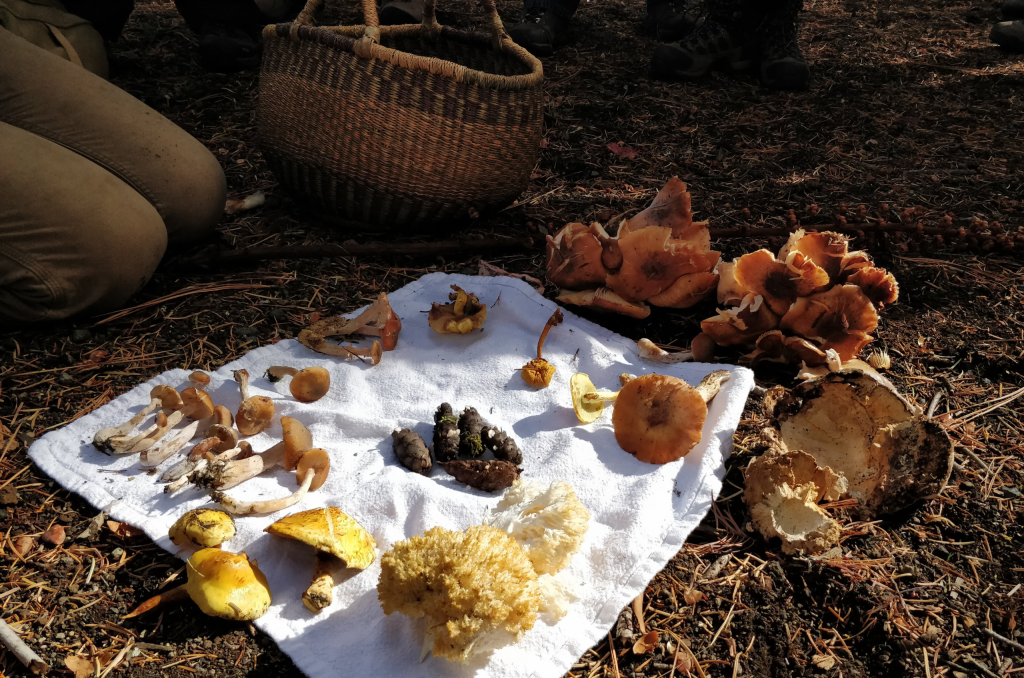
[
  {"x": 117, "y": 553},
  {"x": 1011, "y": 491},
  {"x": 61, "y": 636},
  {"x": 81, "y": 336},
  {"x": 55, "y": 535},
  {"x": 66, "y": 379},
  {"x": 9, "y": 496}
]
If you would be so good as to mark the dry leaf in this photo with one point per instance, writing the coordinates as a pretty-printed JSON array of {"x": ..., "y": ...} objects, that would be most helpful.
[
  {"x": 693, "y": 596},
  {"x": 55, "y": 535},
  {"x": 124, "y": 530},
  {"x": 622, "y": 151},
  {"x": 823, "y": 661},
  {"x": 82, "y": 667},
  {"x": 647, "y": 643},
  {"x": 24, "y": 544}
]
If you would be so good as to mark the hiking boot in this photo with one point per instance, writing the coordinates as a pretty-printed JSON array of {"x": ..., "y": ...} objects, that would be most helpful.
[
  {"x": 396, "y": 12},
  {"x": 540, "y": 31},
  {"x": 1013, "y": 9},
  {"x": 1009, "y": 35},
  {"x": 228, "y": 49},
  {"x": 670, "y": 20},
  {"x": 709, "y": 45},
  {"x": 782, "y": 64}
]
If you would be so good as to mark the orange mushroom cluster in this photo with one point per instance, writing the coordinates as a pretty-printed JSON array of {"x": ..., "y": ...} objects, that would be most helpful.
[
  {"x": 661, "y": 257},
  {"x": 816, "y": 296}
]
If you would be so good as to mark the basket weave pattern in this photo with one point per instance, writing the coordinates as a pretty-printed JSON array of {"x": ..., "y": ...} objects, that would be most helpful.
[{"x": 375, "y": 141}]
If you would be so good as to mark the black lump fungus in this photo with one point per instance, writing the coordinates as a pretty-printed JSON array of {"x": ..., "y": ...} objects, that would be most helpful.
[
  {"x": 446, "y": 434},
  {"x": 470, "y": 425},
  {"x": 502, "y": 445},
  {"x": 489, "y": 476},
  {"x": 411, "y": 451}
]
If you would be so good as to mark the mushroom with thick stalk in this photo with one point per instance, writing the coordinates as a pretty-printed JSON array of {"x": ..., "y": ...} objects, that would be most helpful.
[
  {"x": 221, "y": 417},
  {"x": 115, "y": 439},
  {"x": 311, "y": 472},
  {"x": 256, "y": 412},
  {"x": 308, "y": 385},
  {"x": 702, "y": 349},
  {"x": 219, "y": 439},
  {"x": 538, "y": 372},
  {"x": 659, "y": 419},
  {"x": 205, "y": 528},
  {"x": 587, "y": 401},
  {"x": 378, "y": 319},
  {"x": 604, "y": 299},
  {"x": 464, "y": 314},
  {"x": 339, "y": 541},
  {"x": 374, "y": 353},
  {"x": 223, "y": 475},
  {"x": 222, "y": 584}
]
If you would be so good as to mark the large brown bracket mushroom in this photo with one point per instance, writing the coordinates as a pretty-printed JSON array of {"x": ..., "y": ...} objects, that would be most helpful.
[
  {"x": 339, "y": 541},
  {"x": 256, "y": 413},
  {"x": 379, "y": 320},
  {"x": 538, "y": 372},
  {"x": 115, "y": 440}
]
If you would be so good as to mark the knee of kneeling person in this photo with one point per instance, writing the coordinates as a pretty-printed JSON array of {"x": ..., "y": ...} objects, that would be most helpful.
[
  {"x": 93, "y": 269},
  {"x": 195, "y": 194}
]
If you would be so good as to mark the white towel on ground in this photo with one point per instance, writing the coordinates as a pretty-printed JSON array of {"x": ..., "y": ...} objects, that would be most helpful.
[{"x": 640, "y": 513}]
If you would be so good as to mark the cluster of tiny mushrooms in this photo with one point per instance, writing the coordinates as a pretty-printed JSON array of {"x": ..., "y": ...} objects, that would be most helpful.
[{"x": 845, "y": 432}]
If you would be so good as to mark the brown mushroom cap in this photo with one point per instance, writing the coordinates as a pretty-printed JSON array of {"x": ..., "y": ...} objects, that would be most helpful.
[
  {"x": 798, "y": 349},
  {"x": 658, "y": 418},
  {"x": 169, "y": 397},
  {"x": 730, "y": 292},
  {"x": 670, "y": 208},
  {"x": 878, "y": 285},
  {"x": 197, "y": 402},
  {"x": 741, "y": 324},
  {"x": 200, "y": 379},
  {"x": 310, "y": 384},
  {"x": 254, "y": 415},
  {"x": 603, "y": 299},
  {"x": 842, "y": 318},
  {"x": 227, "y": 435},
  {"x": 703, "y": 348},
  {"x": 825, "y": 249},
  {"x": 223, "y": 416},
  {"x": 686, "y": 291},
  {"x": 319, "y": 461},
  {"x": 574, "y": 258},
  {"x": 652, "y": 260},
  {"x": 779, "y": 282},
  {"x": 297, "y": 440}
]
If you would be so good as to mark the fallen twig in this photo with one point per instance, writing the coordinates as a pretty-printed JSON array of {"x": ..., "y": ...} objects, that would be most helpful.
[
  {"x": 1012, "y": 643},
  {"x": 23, "y": 652}
]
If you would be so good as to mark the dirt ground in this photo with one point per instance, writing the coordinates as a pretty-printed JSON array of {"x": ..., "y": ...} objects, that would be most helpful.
[{"x": 910, "y": 106}]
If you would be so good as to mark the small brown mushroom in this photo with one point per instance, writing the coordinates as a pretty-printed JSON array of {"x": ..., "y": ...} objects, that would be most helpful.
[
  {"x": 199, "y": 379},
  {"x": 730, "y": 292},
  {"x": 378, "y": 319},
  {"x": 878, "y": 285},
  {"x": 196, "y": 404},
  {"x": 574, "y": 258},
  {"x": 308, "y": 385},
  {"x": 312, "y": 472},
  {"x": 116, "y": 439},
  {"x": 374, "y": 353},
  {"x": 659, "y": 419},
  {"x": 538, "y": 372},
  {"x": 671, "y": 208},
  {"x": 256, "y": 413},
  {"x": 826, "y": 250},
  {"x": 296, "y": 440}
]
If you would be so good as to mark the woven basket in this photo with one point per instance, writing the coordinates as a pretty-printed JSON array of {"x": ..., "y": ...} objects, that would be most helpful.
[{"x": 397, "y": 126}]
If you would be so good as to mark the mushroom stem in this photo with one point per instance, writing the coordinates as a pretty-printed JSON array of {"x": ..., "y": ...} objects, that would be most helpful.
[
  {"x": 710, "y": 385},
  {"x": 183, "y": 480},
  {"x": 603, "y": 396},
  {"x": 140, "y": 444},
  {"x": 277, "y": 373},
  {"x": 224, "y": 474},
  {"x": 103, "y": 437},
  {"x": 242, "y": 377},
  {"x": 155, "y": 455},
  {"x": 251, "y": 508},
  {"x": 175, "y": 595},
  {"x": 650, "y": 351},
  {"x": 320, "y": 593},
  {"x": 555, "y": 319},
  {"x": 373, "y": 353}
]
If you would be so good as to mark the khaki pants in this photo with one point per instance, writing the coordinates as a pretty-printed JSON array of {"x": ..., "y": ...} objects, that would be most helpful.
[{"x": 93, "y": 185}]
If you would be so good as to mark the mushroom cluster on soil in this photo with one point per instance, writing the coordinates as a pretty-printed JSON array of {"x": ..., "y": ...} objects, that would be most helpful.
[
  {"x": 657, "y": 418},
  {"x": 816, "y": 295},
  {"x": 377, "y": 320},
  {"x": 661, "y": 257},
  {"x": 845, "y": 435}
]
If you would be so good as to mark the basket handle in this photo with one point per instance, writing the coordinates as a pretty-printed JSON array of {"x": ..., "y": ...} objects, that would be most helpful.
[{"x": 431, "y": 28}]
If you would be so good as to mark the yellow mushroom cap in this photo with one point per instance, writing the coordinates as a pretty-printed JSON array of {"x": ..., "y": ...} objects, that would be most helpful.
[
  {"x": 227, "y": 585},
  {"x": 538, "y": 372},
  {"x": 328, "y": 529},
  {"x": 587, "y": 411},
  {"x": 658, "y": 418},
  {"x": 202, "y": 527}
]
